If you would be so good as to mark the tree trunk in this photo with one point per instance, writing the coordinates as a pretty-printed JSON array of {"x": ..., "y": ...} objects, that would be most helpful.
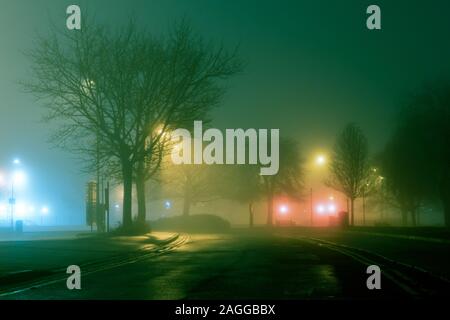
[
  {"x": 404, "y": 217},
  {"x": 250, "y": 212},
  {"x": 352, "y": 216},
  {"x": 127, "y": 175},
  {"x": 364, "y": 209},
  {"x": 349, "y": 214},
  {"x": 446, "y": 205},
  {"x": 413, "y": 218},
  {"x": 187, "y": 201},
  {"x": 445, "y": 198},
  {"x": 140, "y": 192},
  {"x": 186, "y": 205},
  {"x": 270, "y": 209}
]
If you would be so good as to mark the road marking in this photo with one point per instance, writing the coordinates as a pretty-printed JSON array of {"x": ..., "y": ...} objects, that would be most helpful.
[
  {"x": 390, "y": 267},
  {"x": 105, "y": 265},
  {"x": 408, "y": 237}
]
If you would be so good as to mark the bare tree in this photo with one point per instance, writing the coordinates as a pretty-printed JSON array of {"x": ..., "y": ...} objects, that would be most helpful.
[
  {"x": 116, "y": 87},
  {"x": 192, "y": 183},
  {"x": 426, "y": 119},
  {"x": 403, "y": 165},
  {"x": 250, "y": 185},
  {"x": 244, "y": 186},
  {"x": 85, "y": 79},
  {"x": 349, "y": 165},
  {"x": 416, "y": 159},
  {"x": 193, "y": 75}
]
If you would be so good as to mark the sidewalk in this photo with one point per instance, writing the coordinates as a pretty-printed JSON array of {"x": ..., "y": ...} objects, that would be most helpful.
[
  {"x": 36, "y": 252},
  {"x": 39, "y": 236}
]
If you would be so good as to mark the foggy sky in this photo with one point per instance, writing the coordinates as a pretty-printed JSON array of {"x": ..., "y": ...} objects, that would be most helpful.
[{"x": 311, "y": 67}]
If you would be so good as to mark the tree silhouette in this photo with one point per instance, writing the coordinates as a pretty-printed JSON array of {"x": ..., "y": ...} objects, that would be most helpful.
[
  {"x": 244, "y": 186},
  {"x": 192, "y": 183},
  {"x": 110, "y": 90},
  {"x": 349, "y": 167},
  {"x": 418, "y": 154},
  {"x": 248, "y": 185},
  {"x": 403, "y": 164}
]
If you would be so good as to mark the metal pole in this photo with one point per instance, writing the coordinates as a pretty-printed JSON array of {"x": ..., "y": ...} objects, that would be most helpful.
[
  {"x": 311, "y": 207},
  {"x": 364, "y": 206},
  {"x": 97, "y": 189},
  {"x": 107, "y": 205},
  {"x": 12, "y": 206}
]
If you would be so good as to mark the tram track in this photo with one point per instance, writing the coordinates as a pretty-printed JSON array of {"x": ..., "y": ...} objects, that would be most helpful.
[
  {"x": 415, "y": 281},
  {"x": 59, "y": 274}
]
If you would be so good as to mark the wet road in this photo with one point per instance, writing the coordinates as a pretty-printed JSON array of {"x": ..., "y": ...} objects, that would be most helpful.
[
  {"x": 430, "y": 254},
  {"x": 229, "y": 266}
]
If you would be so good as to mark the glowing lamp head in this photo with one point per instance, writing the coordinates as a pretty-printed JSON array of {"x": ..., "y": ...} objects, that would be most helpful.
[
  {"x": 44, "y": 210},
  {"x": 19, "y": 178},
  {"x": 21, "y": 210},
  {"x": 331, "y": 208},
  {"x": 283, "y": 209},
  {"x": 320, "y": 209},
  {"x": 162, "y": 131},
  {"x": 320, "y": 160}
]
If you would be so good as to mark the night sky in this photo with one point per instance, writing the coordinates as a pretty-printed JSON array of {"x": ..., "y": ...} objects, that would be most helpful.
[{"x": 311, "y": 67}]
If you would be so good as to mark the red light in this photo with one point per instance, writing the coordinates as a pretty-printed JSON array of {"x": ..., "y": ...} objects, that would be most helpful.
[
  {"x": 283, "y": 209},
  {"x": 326, "y": 209}
]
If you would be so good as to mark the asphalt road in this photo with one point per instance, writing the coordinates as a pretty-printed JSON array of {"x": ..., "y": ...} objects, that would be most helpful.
[
  {"x": 427, "y": 253},
  {"x": 239, "y": 265}
]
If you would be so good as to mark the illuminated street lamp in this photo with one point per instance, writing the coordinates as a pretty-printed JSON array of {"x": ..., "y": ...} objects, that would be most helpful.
[
  {"x": 284, "y": 209},
  {"x": 331, "y": 208},
  {"x": 18, "y": 178},
  {"x": 320, "y": 209},
  {"x": 321, "y": 160},
  {"x": 44, "y": 212}
]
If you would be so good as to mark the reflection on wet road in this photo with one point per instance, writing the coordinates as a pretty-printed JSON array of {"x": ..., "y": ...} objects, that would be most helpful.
[{"x": 230, "y": 266}]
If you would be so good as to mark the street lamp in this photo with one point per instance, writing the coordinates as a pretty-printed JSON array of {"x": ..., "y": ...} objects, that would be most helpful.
[
  {"x": 44, "y": 212},
  {"x": 320, "y": 160},
  {"x": 18, "y": 178},
  {"x": 284, "y": 209}
]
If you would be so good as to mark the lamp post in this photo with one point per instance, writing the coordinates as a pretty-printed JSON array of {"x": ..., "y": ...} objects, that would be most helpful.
[
  {"x": 44, "y": 212},
  {"x": 12, "y": 202},
  {"x": 364, "y": 202},
  {"x": 319, "y": 161},
  {"x": 16, "y": 178},
  {"x": 311, "y": 206}
]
